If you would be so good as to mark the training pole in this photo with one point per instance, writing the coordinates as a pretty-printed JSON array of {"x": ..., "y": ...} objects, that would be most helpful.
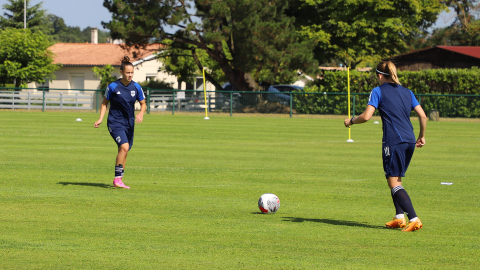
[
  {"x": 205, "y": 96},
  {"x": 348, "y": 90}
]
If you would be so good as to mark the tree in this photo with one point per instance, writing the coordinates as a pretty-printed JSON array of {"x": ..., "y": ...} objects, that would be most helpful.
[
  {"x": 350, "y": 30},
  {"x": 14, "y": 17},
  {"x": 105, "y": 75},
  {"x": 465, "y": 29},
  {"x": 187, "y": 64},
  {"x": 60, "y": 32},
  {"x": 24, "y": 57},
  {"x": 259, "y": 38}
]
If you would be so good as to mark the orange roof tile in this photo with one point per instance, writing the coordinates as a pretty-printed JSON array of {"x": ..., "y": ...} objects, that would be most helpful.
[{"x": 87, "y": 54}]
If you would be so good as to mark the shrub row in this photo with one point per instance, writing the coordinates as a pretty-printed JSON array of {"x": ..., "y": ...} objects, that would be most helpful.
[{"x": 429, "y": 82}]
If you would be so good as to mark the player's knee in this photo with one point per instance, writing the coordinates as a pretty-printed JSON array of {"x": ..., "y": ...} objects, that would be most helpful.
[{"x": 124, "y": 148}]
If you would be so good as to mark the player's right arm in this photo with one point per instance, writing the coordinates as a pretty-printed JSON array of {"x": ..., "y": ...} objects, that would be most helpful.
[
  {"x": 423, "y": 125},
  {"x": 103, "y": 109}
]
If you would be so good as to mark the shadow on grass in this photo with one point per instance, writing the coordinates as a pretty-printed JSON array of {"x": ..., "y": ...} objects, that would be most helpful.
[
  {"x": 333, "y": 222},
  {"x": 85, "y": 184}
]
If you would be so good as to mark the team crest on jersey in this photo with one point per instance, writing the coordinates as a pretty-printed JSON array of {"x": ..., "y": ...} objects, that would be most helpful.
[
  {"x": 118, "y": 139},
  {"x": 132, "y": 93}
]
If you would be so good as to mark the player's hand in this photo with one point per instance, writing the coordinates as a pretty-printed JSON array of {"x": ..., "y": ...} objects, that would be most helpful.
[
  {"x": 347, "y": 123},
  {"x": 97, "y": 124},
  {"x": 139, "y": 118},
  {"x": 420, "y": 142}
]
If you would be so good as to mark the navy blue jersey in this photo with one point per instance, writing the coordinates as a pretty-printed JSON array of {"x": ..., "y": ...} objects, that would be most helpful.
[
  {"x": 394, "y": 102},
  {"x": 122, "y": 103}
]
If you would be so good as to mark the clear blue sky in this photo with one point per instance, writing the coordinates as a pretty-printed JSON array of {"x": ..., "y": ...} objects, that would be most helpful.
[{"x": 84, "y": 13}]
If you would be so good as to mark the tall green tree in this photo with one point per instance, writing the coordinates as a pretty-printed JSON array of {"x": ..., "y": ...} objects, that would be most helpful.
[
  {"x": 24, "y": 57},
  {"x": 14, "y": 16},
  {"x": 258, "y": 36},
  {"x": 60, "y": 32},
  {"x": 464, "y": 30},
  {"x": 351, "y": 30}
]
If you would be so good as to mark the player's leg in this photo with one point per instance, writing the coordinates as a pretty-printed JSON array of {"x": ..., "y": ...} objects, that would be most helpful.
[
  {"x": 400, "y": 156},
  {"x": 120, "y": 137}
]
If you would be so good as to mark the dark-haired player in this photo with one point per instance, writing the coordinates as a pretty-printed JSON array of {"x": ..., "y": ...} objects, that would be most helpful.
[
  {"x": 122, "y": 95},
  {"x": 395, "y": 103}
]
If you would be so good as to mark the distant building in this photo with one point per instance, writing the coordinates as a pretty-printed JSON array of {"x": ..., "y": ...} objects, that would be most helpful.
[
  {"x": 78, "y": 59},
  {"x": 439, "y": 57}
]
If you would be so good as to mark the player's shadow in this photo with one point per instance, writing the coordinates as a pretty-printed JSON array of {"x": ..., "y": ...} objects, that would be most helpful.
[
  {"x": 85, "y": 184},
  {"x": 333, "y": 222}
]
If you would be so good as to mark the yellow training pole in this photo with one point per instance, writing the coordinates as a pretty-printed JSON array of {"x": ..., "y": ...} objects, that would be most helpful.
[
  {"x": 205, "y": 96},
  {"x": 348, "y": 90}
]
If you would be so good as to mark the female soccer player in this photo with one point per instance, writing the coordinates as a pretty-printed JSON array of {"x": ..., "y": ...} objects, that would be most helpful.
[
  {"x": 121, "y": 118},
  {"x": 395, "y": 103}
]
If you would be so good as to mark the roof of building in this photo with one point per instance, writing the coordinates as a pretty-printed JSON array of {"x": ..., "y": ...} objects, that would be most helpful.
[
  {"x": 364, "y": 69},
  {"x": 88, "y": 54},
  {"x": 473, "y": 51}
]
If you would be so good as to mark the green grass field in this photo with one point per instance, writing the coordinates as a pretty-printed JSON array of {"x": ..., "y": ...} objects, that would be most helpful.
[{"x": 195, "y": 186}]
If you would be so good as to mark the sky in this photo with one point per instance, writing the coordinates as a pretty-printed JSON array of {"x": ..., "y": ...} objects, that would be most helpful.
[
  {"x": 81, "y": 13},
  {"x": 85, "y": 13}
]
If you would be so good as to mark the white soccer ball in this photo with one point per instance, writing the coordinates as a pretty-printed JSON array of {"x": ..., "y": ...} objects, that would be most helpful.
[{"x": 269, "y": 203}]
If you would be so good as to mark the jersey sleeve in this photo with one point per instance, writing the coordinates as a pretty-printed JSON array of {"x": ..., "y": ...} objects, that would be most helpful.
[
  {"x": 375, "y": 97},
  {"x": 110, "y": 88},
  {"x": 414, "y": 100},
  {"x": 140, "y": 95}
]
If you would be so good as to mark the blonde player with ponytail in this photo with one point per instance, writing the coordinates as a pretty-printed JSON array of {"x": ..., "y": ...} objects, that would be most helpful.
[{"x": 395, "y": 103}]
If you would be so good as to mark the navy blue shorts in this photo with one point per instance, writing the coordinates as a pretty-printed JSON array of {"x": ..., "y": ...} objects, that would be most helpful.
[
  {"x": 396, "y": 159},
  {"x": 122, "y": 135}
]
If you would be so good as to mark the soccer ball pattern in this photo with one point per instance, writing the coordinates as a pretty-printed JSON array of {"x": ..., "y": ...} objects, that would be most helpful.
[{"x": 269, "y": 203}]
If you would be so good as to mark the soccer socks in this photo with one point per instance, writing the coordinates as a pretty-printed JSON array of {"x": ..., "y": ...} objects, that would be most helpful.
[
  {"x": 399, "y": 213},
  {"x": 400, "y": 196},
  {"x": 119, "y": 171}
]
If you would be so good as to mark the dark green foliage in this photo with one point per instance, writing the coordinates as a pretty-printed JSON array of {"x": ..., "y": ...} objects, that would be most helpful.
[
  {"x": 24, "y": 57},
  {"x": 251, "y": 40},
  {"x": 156, "y": 85},
  {"x": 431, "y": 81},
  {"x": 14, "y": 16},
  {"x": 351, "y": 30},
  {"x": 60, "y": 32}
]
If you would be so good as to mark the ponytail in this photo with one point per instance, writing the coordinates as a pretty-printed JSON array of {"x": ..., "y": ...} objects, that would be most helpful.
[{"x": 388, "y": 69}]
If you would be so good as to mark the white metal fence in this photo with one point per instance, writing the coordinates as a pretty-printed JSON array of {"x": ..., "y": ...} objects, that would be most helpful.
[{"x": 37, "y": 100}]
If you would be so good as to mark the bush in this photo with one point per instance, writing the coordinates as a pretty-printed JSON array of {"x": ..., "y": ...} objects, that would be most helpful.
[{"x": 431, "y": 81}]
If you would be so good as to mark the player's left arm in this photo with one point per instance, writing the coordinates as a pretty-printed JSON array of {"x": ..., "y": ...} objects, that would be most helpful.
[
  {"x": 139, "y": 117},
  {"x": 143, "y": 104}
]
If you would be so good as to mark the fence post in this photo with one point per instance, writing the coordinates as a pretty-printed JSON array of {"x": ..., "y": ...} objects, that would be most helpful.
[
  {"x": 61, "y": 101},
  {"x": 29, "y": 98},
  {"x": 13, "y": 100},
  {"x": 173, "y": 105},
  {"x": 43, "y": 92},
  {"x": 148, "y": 100},
  {"x": 231, "y": 103},
  {"x": 208, "y": 102},
  {"x": 291, "y": 103}
]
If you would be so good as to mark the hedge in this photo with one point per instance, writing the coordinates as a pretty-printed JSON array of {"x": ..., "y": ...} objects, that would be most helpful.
[{"x": 435, "y": 82}]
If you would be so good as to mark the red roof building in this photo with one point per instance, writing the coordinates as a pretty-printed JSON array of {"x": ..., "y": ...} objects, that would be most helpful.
[
  {"x": 439, "y": 57},
  {"x": 89, "y": 54}
]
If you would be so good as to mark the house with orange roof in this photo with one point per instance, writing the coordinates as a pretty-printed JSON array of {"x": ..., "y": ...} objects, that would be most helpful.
[{"x": 78, "y": 59}]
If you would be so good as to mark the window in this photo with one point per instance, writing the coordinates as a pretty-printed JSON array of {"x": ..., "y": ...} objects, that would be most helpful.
[{"x": 151, "y": 77}]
